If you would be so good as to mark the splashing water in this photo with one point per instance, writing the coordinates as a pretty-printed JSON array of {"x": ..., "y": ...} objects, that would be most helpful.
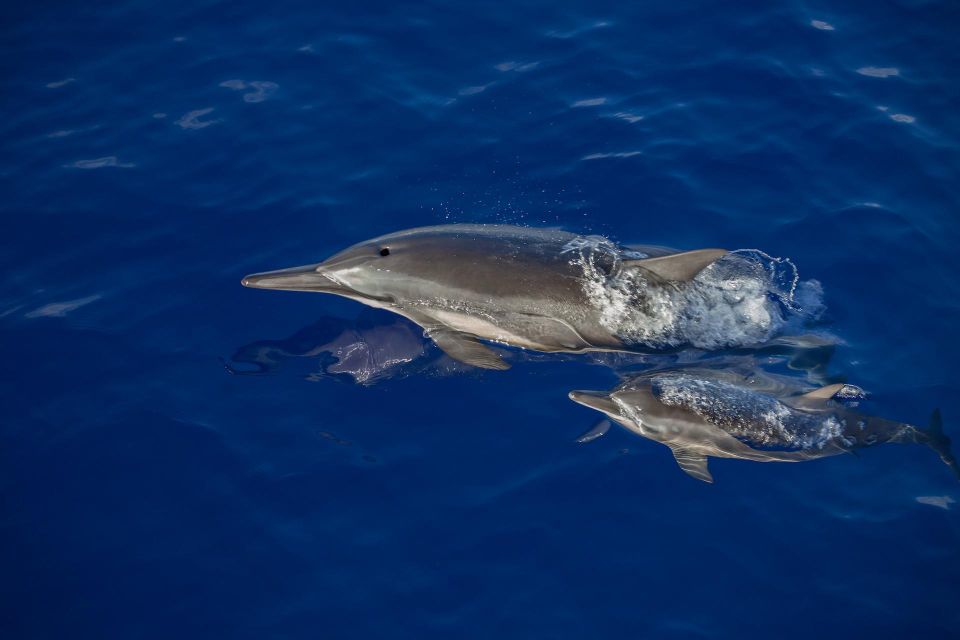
[
  {"x": 754, "y": 418},
  {"x": 743, "y": 299}
]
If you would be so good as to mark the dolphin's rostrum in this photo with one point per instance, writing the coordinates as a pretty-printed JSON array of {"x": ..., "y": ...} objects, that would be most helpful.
[
  {"x": 700, "y": 413},
  {"x": 523, "y": 287}
]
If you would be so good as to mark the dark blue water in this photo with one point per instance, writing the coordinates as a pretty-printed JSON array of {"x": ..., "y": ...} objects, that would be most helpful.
[{"x": 154, "y": 153}]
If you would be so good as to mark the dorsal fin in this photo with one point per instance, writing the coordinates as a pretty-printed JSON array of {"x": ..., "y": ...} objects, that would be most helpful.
[
  {"x": 824, "y": 393},
  {"x": 693, "y": 463},
  {"x": 678, "y": 267}
]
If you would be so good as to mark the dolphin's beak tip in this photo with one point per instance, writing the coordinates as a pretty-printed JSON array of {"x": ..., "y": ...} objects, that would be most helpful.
[
  {"x": 293, "y": 279},
  {"x": 585, "y": 397}
]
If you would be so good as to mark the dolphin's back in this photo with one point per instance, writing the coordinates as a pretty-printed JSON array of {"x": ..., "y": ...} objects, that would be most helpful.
[
  {"x": 754, "y": 418},
  {"x": 495, "y": 260}
]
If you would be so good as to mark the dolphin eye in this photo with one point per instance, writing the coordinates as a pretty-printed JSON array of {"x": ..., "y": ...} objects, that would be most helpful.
[{"x": 385, "y": 252}]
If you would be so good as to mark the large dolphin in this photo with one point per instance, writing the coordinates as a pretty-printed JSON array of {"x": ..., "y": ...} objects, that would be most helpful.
[
  {"x": 700, "y": 413},
  {"x": 524, "y": 287}
]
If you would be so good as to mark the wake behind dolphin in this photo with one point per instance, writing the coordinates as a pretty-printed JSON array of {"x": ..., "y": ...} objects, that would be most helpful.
[{"x": 552, "y": 291}]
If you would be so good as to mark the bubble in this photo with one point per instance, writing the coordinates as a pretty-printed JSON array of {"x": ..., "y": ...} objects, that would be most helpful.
[{"x": 743, "y": 299}]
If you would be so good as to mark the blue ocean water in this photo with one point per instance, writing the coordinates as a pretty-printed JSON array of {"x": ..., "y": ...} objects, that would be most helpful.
[{"x": 180, "y": 456}]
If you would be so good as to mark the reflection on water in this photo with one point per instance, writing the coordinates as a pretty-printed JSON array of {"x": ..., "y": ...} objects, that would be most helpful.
[
  {"x": 942, "y": 502},
  {"x": 627, "y": 116},
  {"x": 616, "y": 154},
  {"x": 63, "y": 133},
  {"x": 60, "y": 309},
  {"x": 191, "y": 119},
  {"x": 572, "y": 33},
  {"x": 879, "y": 72},
  {"x": 902, "y": 117},
  {"x": 60, "y": 83},
  {"x": 260, "y": 90},
  {"x": 589, "y": 102},
  {"x": 98, "y": 163},
  {"x": 470, "y": 91},
  {"x": 519, "y": 67}
]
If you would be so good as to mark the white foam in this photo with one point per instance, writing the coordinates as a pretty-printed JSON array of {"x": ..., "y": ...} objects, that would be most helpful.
[
  {"x": 744, "y": 299},
  {"x": 755, "y": 417}
]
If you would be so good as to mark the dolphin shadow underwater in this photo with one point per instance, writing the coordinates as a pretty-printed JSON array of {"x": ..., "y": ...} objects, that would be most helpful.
[
  {"x": 746, "y": 413},
  {"x": 369, "y": 349}
]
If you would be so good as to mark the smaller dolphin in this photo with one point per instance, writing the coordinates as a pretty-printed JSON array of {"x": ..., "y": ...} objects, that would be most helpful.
[{"x": 701, "y": 412}]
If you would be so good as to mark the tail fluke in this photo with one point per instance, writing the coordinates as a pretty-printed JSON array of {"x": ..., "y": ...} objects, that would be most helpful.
[{"x": 940, "y": 443}]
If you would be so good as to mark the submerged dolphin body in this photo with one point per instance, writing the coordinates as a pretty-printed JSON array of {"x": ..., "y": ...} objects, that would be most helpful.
[
  {"x": 539, "y": 289},
  {"x": 700, "y": 413},
  {"x": 366, "y": 350}
]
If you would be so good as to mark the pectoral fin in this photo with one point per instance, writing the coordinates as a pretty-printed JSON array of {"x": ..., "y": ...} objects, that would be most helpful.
[
  {"x": 693, "y": 464},
  {"x": 598, "y": 430},
  {"x": 678, "y": 267},
  {"x": 466, "y": 348}
]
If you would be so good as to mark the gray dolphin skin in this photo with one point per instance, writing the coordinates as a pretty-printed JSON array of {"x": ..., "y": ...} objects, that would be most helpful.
[
  {"x": 511, "y": 285},
  {"x": 700, "y": 413}
]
